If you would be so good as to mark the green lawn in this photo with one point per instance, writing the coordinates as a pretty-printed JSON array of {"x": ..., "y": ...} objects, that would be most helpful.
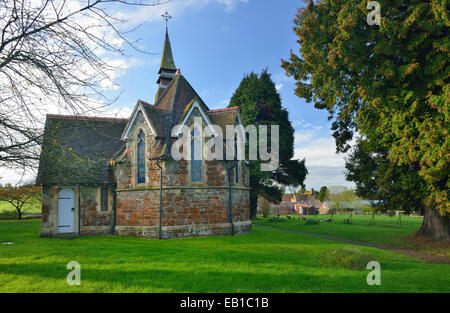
[
  {"x": 380, "y": 233},
  {"x": 7, "y": 210},
  {"x": 263, "y": 261},
  {"x": 376, "y": 234}
]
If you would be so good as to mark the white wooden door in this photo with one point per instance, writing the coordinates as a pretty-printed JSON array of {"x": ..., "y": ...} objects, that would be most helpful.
[{"x": 66, "y": 211}]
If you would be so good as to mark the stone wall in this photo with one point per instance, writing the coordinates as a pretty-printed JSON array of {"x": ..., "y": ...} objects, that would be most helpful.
[{"x": 94, "y": 221}]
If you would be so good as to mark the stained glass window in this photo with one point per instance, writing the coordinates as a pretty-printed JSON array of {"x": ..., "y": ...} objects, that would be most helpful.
[
  {"x": 141, "y": 158},
  {"x": 196, "y": 155}
]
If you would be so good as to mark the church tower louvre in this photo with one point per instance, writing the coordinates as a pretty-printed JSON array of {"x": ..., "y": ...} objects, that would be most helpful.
[{"x": 167, "y": 69}]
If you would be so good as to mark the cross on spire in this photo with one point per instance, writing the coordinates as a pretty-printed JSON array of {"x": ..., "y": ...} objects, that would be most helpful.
[{"x": 167, "y": 17}]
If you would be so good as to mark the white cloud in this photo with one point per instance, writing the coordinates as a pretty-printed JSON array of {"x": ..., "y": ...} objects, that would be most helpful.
[
  {"x": 278, "y": 86},
  {"x": 231, "y": 4},
  {"x": 324, "y": 165},
  {"x": 175, "y": 8},
  {"x": 16, "y": 177},
  {"x": 122, "y": 112},
  {"x": 319, "y": 152},
  {"x": 303, "y": 136}
]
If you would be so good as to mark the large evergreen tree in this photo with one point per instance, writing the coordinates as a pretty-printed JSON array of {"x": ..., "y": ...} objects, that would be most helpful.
[
  {"x": 390, "y": 83},
  {"x": 260, "y": 104}
]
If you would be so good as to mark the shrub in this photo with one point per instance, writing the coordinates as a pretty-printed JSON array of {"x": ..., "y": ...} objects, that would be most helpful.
[
  {"x": 8, "y": 215},
  {"x": 265, "y": 206},
  {"x": 347, "y": 257},
  {"x": 311, "y": 221}
]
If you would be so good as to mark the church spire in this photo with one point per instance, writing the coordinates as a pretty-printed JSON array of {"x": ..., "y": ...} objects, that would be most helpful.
[{"x": 167, "y": 69}]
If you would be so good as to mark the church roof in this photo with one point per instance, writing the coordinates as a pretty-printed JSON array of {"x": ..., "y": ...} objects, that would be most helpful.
[
  {"x": 177, "y": 96},
  {"x": 77, "y": 150},
  {"x": 223, "y": 117},
  {"x": 159, "y": 118}
]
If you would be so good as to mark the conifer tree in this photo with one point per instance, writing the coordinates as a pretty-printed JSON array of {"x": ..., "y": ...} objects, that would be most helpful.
[
  {"x": 390, "y": 84},
  {"x": 260, "y": 104}
]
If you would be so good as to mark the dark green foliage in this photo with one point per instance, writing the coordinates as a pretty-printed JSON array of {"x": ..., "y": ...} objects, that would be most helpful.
[
  {"x": 260, "y": 104},
  {"x": 390, "y": 84},
  {"x": 395, "y": 187},
  {"x": 324, "y": 194},
  {"x": 311, "y": 221}
]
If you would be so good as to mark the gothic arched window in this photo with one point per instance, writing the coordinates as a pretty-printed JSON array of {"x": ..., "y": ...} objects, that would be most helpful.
[
  {"x": 141, "y": 158},
  {"x": 196, "y": 155}
]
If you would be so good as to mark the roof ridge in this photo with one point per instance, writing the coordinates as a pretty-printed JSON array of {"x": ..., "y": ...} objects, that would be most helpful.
[
  {"x": 224, "y": 109},
  {"x": 151, "y": 105},
  {"x": 81, "y": 117},
  {"x": 195, "y": 92}
]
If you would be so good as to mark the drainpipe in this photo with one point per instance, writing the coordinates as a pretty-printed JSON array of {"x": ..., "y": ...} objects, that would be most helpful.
[
  {"x": 79, "y": 211},
  {"x": 230, "y": 201},
  {"x": 160, "y": 198},
  {"x": 113, "y": 226}
]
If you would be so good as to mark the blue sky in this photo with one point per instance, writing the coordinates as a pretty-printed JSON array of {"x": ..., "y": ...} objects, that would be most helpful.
[{"x": 215, "y": 42}]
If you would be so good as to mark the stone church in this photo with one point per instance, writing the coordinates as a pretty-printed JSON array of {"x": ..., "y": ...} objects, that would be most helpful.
[{"x": 117, "y": 176}]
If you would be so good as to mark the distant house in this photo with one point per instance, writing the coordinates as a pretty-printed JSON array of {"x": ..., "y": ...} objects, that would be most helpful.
[
  {"x": 305, "y": 209},
  {"x": 324, "y": 208},
  {"x": 286, "y": 206},
  {"x": 305, "y": 204},
  {"x": 289, "y": 197}
]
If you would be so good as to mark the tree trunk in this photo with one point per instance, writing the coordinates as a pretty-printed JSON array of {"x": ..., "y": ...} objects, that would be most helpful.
[
  {"x": 19, "y": 214},
  {"x": 434, "y": 226}
]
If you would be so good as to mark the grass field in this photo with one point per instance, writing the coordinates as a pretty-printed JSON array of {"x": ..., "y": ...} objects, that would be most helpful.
[
  {"x": 263, "y": 261},
  {"x": 381, "y": 233},
  {"x": 7, "y": 211}
]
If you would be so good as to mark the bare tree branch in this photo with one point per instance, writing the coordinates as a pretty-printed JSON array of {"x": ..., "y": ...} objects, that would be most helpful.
[{"x": 55, "y": 56}]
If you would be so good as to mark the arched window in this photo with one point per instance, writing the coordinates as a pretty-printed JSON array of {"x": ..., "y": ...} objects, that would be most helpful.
[
  {"x": 141, "y": 158},
  {"x": 196, "y": 155}
]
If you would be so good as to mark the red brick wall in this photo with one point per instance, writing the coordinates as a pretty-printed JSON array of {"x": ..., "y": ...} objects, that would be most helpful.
[{"x": 180, "y": 207}]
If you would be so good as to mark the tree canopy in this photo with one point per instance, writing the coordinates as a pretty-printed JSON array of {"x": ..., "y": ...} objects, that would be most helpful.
[
  {"x": 260, "y": 104},
  {"x": 18, "y": 197},
  {"x": 58, "y": 56},
  {"x": 386, "y": 84}
]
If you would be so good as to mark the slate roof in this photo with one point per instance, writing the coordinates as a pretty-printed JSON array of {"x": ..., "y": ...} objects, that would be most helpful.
[
  {"x": 158, "y": 118},
  {"x": 306, "y": 198},
  {"x": 77, "y": 150},
  {"x": 223, "y": 117},
  {"x": 177, "y": 97},
  {"x": 287, "y": 197}
]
